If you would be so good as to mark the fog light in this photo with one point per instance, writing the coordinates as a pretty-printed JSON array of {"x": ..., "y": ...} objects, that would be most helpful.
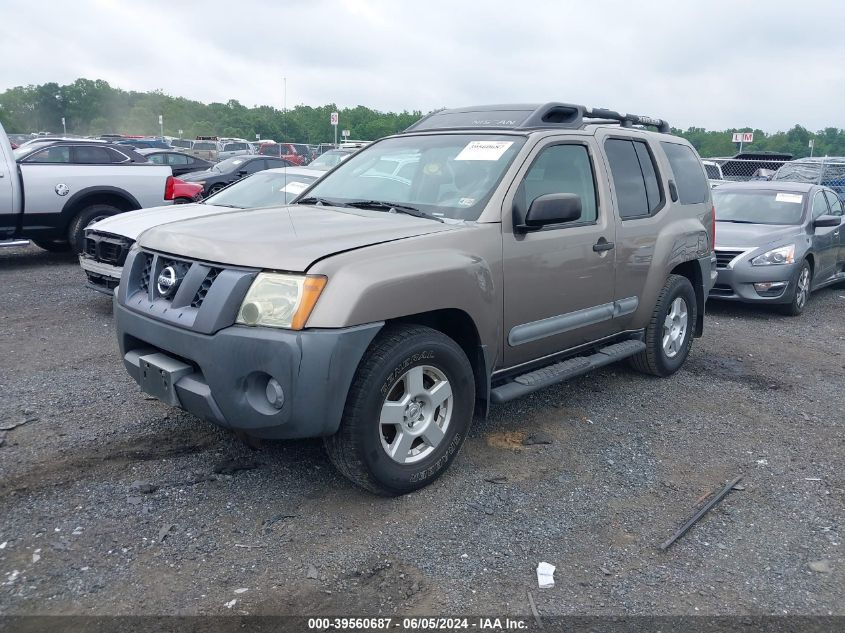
[
  {"x": 770, "y": 287},
  {"x": 275, "y": 394}
]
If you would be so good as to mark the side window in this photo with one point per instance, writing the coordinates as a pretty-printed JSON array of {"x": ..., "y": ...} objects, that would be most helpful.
[
  {"x": 690, "y": 178},
  {"x": 819, "y": 205},
  {"x": 158, "y": 159},
  {"x": 176, "y": 159},
  {"x": 117, "y": 157},
  {"x": 55, "y": 154},
  {"x": 834, "y": 202},
  {"x": 628, "y": 181},
  {"x": 562, "y": 169},
  {"x": 253, "y": 166}
]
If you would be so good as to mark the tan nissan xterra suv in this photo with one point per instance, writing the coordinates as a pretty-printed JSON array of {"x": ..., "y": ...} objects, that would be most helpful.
[{"x": 482, "y": 254}]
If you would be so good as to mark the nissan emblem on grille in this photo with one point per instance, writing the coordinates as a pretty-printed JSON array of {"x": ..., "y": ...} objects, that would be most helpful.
[{"x": 167, "y": 281}]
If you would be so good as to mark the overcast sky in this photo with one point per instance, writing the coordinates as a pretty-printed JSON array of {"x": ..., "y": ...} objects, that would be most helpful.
[{"x": 713, "y": 63}]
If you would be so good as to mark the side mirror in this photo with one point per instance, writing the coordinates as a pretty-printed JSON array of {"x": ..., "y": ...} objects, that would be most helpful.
[
  {"x": 242, "y": 172},
  {"x": 552, "y": 208},
  {"x": 827, "y": 220}
]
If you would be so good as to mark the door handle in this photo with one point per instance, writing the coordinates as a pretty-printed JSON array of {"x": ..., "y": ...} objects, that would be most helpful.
[{"x": 603, "y": 245}]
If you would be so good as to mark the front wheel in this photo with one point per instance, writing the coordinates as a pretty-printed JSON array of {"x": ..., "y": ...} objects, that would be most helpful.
[
  {"x": 802, "y": 291},
  {"x": 668, "y": 337},
  {"x": 407, "y": 413},
  {"x": 84, "y": 219}
]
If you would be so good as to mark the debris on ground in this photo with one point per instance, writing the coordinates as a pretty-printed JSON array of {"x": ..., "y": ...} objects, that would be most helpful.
[
  {"x": 715, "y": 498},
  {"x": 133, "y": 501},
  {"x": 820, "y": 566},
  {"x": 545, "y": 575},
  {"x": 278, "y": 517},
  {"x": 535, "y": 612},
  {"x": 231, "y": 603},
  {"x": 496, "y": 479},
  {"x": 241, "y": 590},
  {"x": 231, "y": 466},
  {"x": 36, "y": 555},
  {"x": 144, "y": 487},
  {"x": 164, "y": 532},
  {"x": 606, "y": 571},
  {"x": 312, "y": 573},
  {"x": 537, "y": 437},
  {"x": 8, "y": 426}
]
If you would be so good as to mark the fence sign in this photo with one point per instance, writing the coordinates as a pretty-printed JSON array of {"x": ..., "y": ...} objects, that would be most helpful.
[{"x": 743, "y": 137}]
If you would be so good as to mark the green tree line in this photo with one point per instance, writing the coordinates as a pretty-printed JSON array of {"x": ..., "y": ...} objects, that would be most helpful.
[{"x": 93, "y": 107}]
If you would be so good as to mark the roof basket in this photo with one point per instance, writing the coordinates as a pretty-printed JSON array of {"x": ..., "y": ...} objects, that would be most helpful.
[{"x": 530, "y": 117}]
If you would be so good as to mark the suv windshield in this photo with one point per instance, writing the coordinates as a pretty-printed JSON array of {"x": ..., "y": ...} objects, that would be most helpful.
[
  {"x": 205, "y": 146},
  {"x": 445, "y": 175},
  {"x": 758, "y": 207},
  {"x": 330, "y": 159},
  {"x": 264, "y": 189}
]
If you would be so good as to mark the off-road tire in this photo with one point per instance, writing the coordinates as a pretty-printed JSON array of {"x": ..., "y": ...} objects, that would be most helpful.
[
  {"x": 53, "y": 247},
  {"x": 654, "y": 360},
  {"x": 796, "y": 307},
  {"x": 76, "y": 230},
  {"x": 356, "y": 449}
]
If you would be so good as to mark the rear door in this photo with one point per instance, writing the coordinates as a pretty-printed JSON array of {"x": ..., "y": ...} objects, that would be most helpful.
[
  {"x": 836, "y": 209},
  {"x": 558, "y": 289}
]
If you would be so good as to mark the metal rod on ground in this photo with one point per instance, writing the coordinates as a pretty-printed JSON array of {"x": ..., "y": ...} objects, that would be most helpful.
[
  {"x": 704, "y": 510},
  {"x": 535, "y": 612}
]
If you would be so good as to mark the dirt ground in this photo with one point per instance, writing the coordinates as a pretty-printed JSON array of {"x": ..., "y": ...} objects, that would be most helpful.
[{"x": 113, "y": 503}]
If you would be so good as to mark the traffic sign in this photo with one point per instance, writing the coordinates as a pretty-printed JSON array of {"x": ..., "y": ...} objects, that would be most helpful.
[
  {"x": 334, "y": 118},
  {"x": 743, "y": 137}
]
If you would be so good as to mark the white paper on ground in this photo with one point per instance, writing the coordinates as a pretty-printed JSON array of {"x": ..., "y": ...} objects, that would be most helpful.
[{"x": 545, "y": 575}]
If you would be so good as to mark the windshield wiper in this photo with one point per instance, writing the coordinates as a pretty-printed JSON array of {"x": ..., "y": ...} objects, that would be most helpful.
[
  {"x": 322, "y": 202},
  {"x": 392, "y": 207},
  {"x": 737, "y": 221},
  {"x": 230, "y": 206}
]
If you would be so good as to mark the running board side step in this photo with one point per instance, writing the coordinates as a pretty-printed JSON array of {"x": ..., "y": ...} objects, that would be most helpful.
[{"x": 564, "y": 370}]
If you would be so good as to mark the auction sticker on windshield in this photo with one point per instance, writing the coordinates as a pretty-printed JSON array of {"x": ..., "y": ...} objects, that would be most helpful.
[
  {"x": 484, "y": 150},
  {"x": 294, "y": 187},
  {"x": 797, "y": 198}
]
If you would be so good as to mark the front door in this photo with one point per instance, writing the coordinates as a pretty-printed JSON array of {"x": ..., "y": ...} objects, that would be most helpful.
[
  {"x": 825, "y": 240},
  {"x": 836, "y": 209},
  {"x": 558, "y": 281}
]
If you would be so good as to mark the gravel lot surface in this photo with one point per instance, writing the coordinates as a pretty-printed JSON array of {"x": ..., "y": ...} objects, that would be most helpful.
[{"x": 113, "y": 503}]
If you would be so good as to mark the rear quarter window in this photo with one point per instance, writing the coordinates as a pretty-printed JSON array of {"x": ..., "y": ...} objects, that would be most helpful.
[{"x": 690, "y": 178}]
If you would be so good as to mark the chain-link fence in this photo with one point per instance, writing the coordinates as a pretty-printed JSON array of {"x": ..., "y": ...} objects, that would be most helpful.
[{"x": 824, "y": 170}]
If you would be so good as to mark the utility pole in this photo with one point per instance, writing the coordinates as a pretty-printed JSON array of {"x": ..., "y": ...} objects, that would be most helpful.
[
  {"x": 64, "y": 128},
  {"x": 285, "y": 109},
  {"x": 161, "y": 125}
]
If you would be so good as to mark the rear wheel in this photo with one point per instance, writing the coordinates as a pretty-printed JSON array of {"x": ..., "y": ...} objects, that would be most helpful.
[
  {"x": 668, "y": 336},
  {"x": 53, "y": 247},
  {"x": 407, "y": 413},
  {"x": 802, "y": 291},
  {"x": 84, "y": 219},
  {"x": 215, "y": 188}
]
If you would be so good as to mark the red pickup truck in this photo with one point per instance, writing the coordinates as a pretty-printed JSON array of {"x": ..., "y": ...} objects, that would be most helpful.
[{"x": 296, "y": 153}]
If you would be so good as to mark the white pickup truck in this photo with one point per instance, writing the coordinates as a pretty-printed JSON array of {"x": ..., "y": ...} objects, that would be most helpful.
[{"x": 51, "y": 190}]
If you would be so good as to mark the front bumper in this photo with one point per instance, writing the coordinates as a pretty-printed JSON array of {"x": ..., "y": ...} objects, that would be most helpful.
[
  {"x": 102, "y": 277},
  {"x": 736, "y": 283},
  {"x": 223, "y": 377}
]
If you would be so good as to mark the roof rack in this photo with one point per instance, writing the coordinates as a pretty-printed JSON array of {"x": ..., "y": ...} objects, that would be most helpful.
[{"x": 531, "y": 117}]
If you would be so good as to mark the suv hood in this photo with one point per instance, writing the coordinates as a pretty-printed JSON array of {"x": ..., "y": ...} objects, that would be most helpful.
[
  {"x": 730, "y": 235},
  {"x": 133, "y": 223},
  {"x": 284, "y": 238}
]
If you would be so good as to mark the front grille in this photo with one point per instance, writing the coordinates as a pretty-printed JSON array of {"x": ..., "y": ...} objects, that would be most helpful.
[
  {"x": 181, "y": 269},
  {"x": 144, "y": 283},
  {"x": 725, "y": 257},
  {"x": 106, "y": 248},
  {"x": 205, "y": 286}
]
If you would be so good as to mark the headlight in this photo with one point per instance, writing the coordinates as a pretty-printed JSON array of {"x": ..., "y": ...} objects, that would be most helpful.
[
  {"x": 782, "y": 255},
  {"x": 276, "y": 300}
]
